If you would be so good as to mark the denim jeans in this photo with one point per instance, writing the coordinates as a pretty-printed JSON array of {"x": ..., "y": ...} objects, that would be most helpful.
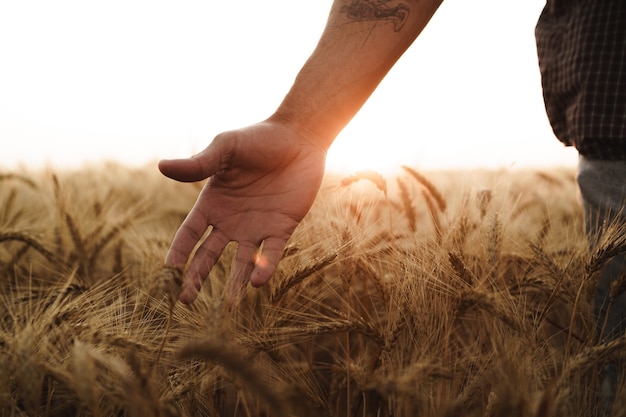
[{"x": 602, "y": 187}]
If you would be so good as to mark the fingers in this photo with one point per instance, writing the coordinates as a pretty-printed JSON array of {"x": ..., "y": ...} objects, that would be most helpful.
[
  {"x": 196, "y": 168},
  {"x": 247, "y": 266},
  {"x": 187, "y": 236},
  {"x": 242, "y": 266},
  {"x": 203, "y": 261},
  {"x": 266, "y": 262}
]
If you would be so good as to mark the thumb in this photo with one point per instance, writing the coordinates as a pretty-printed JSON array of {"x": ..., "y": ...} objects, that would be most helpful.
[{"x": 196, "y": 168}]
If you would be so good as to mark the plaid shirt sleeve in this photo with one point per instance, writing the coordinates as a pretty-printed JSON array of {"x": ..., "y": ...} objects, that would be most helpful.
[{"x": 581, "y": 45}]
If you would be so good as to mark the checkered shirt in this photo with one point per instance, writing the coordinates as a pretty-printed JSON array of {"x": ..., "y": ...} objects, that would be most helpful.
[{"x": 581, "y": 46}]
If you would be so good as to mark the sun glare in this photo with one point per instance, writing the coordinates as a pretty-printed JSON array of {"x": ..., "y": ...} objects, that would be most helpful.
[{"x": 167, "y": 79}]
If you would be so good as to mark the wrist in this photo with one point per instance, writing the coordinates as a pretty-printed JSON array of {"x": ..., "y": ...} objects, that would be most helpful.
[{"x": 316, "y": 133}]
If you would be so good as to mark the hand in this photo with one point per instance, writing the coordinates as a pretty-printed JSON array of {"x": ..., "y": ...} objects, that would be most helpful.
[{"x": 263, "y": 180}]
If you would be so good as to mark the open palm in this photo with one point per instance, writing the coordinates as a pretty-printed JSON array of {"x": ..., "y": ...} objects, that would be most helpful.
[{"x": 263, "y": 180}]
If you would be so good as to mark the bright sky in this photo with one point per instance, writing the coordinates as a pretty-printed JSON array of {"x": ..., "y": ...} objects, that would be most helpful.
[{"x": 139, "y": 80}]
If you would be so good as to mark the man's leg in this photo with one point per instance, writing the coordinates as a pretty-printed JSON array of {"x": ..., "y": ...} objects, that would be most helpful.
[{"x": 602, "y": 187}]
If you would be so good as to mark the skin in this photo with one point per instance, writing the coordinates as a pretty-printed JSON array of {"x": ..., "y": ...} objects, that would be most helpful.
[{"x": 263, "y": 179}]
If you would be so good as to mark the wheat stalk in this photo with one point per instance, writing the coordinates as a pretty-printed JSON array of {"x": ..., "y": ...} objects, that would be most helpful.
[
  {"x": 25, "y": 180},
  {"x": 613, "y": 244},
  {"x": 550, "y": 179},
  {"x": 494, "y": 245},
  {"x": 334, "y": 325},
  {"x": 372, "y": 176},
  {"x": 79, "y": 244},
  {"x": 368, "y": 273},
  {"x": 7, "y": 205},
  {"x": 462, "y": 271},
  {"x": 407, "y": 205},
  {"x": 84, "y": 377},
  {"x": 142, "y": 393},
  {"x": 300, "y": 275},
  {"x": 618, "y": 287},
  {"x": 590, "y": 357},
  {"x": 483, "y": 198},
  {"x": 545, "y": 228},
  {"x": 409, "y": 377},
  {"x": 225, "y": 355},
  {"x": 31, "y": 242},
  {"x": 434, "y": 215},
  {"x": 28, "y": 372},
  {"x": 472, "y": 298},
  {"x": 104, "y": 240},
  {"x": 434, "y": 192},
  {"x": 521, "y": 209}
]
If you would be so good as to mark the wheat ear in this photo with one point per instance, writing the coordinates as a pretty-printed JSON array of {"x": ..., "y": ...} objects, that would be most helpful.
[
  {"x": 372, "y": 176},
  {"x": 407, "y": 205},
  {"x": 31, "y": 242},
  {"x": 20, "y": 178},
  {"x": 210, "y": 350},
  {"x": 434, "y": 192},
  {"x": 300, "y": 275}
]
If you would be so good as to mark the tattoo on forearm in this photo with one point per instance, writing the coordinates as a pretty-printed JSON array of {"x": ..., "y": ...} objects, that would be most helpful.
[{"x": 376, "y": 10}]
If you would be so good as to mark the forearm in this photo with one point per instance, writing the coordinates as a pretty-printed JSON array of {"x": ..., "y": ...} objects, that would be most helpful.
[{"x": 361, "y": 42}]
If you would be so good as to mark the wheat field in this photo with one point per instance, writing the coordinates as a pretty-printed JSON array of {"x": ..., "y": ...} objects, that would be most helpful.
[{"x": 418, "y": 294}]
